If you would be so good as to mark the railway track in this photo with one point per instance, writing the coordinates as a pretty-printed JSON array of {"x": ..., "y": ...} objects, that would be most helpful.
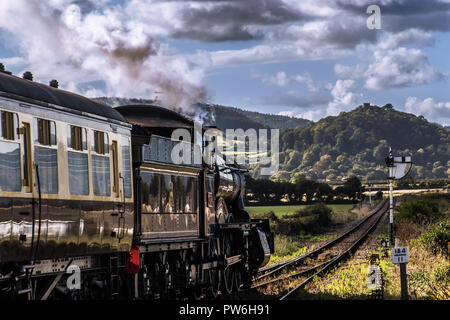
[{"x": 284, "y": 279}]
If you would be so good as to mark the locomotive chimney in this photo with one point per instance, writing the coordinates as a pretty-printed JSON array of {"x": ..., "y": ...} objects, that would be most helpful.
[
  {"x": 54, "y": 83},
  {"x": 3, "y": 70},
  {"x": 27, "y": 75}
]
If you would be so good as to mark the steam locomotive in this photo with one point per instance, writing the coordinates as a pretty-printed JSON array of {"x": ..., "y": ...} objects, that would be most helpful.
[{"x": 92, "y": 206}]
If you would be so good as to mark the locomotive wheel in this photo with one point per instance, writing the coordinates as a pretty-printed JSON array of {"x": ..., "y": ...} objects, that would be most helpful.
[
  {"x": 214, "y": 276},
  {"x": 227, "y": 274},
  {"x": 180, "y": 278},
  {"x": 227, "y": 281},
  {"x": 214, "y": 279},
  {"x": 237, "y": 278}
]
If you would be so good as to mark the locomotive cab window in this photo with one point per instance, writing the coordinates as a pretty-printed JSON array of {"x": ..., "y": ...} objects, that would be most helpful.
[
  {"x": 78, "y": 161},
  {"x": 166, "y": 193},
  {"x": 10, "y": 171},
  {"x": 46, "y": 155}
]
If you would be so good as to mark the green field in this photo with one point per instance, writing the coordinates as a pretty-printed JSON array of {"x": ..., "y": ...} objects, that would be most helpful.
[{"x": 290, "y": 209}]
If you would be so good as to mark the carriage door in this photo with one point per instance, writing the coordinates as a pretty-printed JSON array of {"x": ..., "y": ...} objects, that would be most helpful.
[
  {"x": 118, "y": 192},
  {"x": 24, "y": 209}
]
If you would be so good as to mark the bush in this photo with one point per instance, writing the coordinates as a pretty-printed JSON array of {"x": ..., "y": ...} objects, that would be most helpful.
[
  {"x": 419, "y": 211},
  {"x": 273, "y": 219},
  {"x": 311, "y": 218},
  {"x": 267, "y": 215},
  {"x": 379, "y": 195},
  {"x": 436, "y": 240},
  {"x": 287, "y": 226}
]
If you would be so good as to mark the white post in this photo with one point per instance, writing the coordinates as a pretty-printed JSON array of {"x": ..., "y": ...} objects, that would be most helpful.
[{"x": 391, "y": 214}]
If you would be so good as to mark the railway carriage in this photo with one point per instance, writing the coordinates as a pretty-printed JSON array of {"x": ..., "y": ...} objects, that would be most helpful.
[{"x": 86, "y": 186}]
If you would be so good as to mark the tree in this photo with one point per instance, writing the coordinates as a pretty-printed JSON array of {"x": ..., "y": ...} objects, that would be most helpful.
[
  {"x": 323, "y": 190},
  {"x": 353, "y": 187}
]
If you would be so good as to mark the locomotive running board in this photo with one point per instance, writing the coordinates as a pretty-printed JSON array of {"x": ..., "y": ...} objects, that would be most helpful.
[{"x": 235, "y": 225}]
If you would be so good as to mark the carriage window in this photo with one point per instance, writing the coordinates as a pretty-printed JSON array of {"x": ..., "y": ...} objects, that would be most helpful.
[
  {"x": 9, "y": 125},
  {"x": 77, "y": 138},
  {"x": 10, "y": 166},
  {"x": 101, "y": 176},
  {"x": 78, "y": 161},
  {"x": 151, "y": 185},
  {"x": 126, "y": 166},
  {"x": 10, "y": 174},
  {"x": 44, "y": 132},
  {"x": 47, "y": 162},
  {"x": 78, "y": 173},
  {"x": 101, "y": 142}
]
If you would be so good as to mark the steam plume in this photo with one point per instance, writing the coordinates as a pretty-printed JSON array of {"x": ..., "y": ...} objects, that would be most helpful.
[{"x": 82, "y": 43}]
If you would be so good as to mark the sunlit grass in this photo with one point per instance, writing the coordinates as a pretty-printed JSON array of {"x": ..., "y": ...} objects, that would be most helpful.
[{"x": 290, "y": 209}]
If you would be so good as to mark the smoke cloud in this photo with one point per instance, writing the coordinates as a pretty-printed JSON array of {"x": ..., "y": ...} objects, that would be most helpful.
[{"x": 87, "y": 42}]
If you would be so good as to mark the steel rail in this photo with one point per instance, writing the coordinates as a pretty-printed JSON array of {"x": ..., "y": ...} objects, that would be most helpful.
[
  {"x": 333, "y": 262},
  {"x": 274, "y": 269}
]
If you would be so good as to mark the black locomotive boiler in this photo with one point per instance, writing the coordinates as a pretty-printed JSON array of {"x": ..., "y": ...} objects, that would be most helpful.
[{"x": 92, "y": 205}]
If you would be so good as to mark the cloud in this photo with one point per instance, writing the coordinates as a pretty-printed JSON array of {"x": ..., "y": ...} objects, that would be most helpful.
[
  {"x": 281, "y": 79},
  {"x": 293, "y": 99},
  {"x": 232, "y": 20},
  {"x": 400, "y": 67},
  {"x": 343, "y": 97},
  {"x": 126, "y": 44},
  {"x": 312, "y": 114},
  {"x": 83, "y": 41},
  {"x": 399, "y": 15},
  {"x": 431, "y": 110},
  {"x": 350, "y": 72},
  {"x": 407, "y": 37}
]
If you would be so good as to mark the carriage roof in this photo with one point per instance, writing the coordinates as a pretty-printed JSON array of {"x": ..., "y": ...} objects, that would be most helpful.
[{"x": 29, "y": 91}]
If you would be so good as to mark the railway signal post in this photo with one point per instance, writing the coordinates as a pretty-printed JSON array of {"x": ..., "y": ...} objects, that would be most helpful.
[
  {"x": 390, "y": 165},
  {"x": 398, "y": 168}
]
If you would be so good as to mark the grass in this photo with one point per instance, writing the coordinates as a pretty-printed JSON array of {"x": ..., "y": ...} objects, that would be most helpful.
[
  {"x": 428, "y": 278},
  {"x": 291, "y": 209},
  {"x": 288, "y": 247},
  {"x": 299, "y": 227}
]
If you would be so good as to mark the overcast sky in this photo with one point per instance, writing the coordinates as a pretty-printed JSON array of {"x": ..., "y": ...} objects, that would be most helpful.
[{"x": 309, "y": 58}]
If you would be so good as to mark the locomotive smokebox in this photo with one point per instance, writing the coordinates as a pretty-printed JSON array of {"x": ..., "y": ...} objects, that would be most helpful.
[{"x": 229, "y": 184}]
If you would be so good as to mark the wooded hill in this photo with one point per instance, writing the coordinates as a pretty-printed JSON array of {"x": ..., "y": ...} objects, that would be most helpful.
[{"x": 356, "y": 143}]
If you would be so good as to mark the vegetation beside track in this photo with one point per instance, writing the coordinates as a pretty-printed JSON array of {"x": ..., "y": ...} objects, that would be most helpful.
[
  {"x": 423, "y": 224},
  {"x": 302, "y": 230}
]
